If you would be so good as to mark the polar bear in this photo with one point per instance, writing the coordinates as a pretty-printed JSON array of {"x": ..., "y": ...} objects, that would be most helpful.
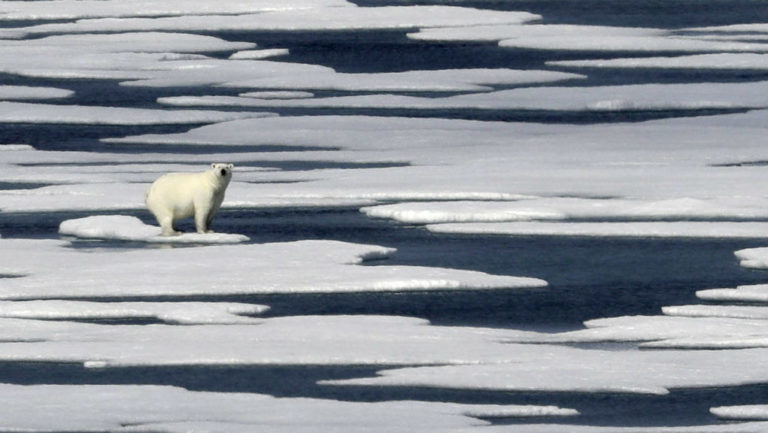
[{"x": 174, "y": 196}]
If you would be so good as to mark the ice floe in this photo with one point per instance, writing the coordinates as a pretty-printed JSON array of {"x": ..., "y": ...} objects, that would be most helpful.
[
  {"x": 736, "y": 61},
  {"x": 604, "y": 98},
  {"x": 683, "y": 229},
  {"x": 309, "y": 19},
  {"x": 734, "y": 311},
  {"x": 451, "y": 80},
  {"x": 259, "y": 54},
  {"x": 175, "y": 410},
  {"x": 752, "y": 412},
  {"x": 750, "y": 293},
  {"x": 129, "y": 228},
  {"x": 185, "y": 313},
  {"x": 753, "y": 258},
  {"x": 541, "y": 367},
  {"x": 306, "y": 266},
  {"x": 23, "y": 112},
  {"x": 61, "y": 10},
  {"x": 27, "y": 92},
  {"x": 584, "y": 38}
]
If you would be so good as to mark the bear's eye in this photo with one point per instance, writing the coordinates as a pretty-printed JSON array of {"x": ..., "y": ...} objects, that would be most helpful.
[{"x": 223, "y": 172}]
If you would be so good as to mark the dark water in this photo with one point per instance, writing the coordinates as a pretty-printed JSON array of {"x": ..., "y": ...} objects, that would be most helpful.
[{"x": 589, "y": 278}]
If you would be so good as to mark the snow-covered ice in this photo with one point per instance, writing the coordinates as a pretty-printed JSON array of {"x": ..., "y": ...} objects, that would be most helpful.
[
  {"x": 753, "y": 258},
  {"x": 129, "y": 228},
  {"x": 308, "y": 19},
  {"x": 24, "y": 112},
  {"x": 186, "y": 313},
  {"x": 304, "y": 266},
  {"x": 175, "y": 410},
  {"x": 655, "y": 229},
  {"x": 27, "y": 92},
  {"x": 603, "y": 98},
  {"x": 698, "y": 61},
  {"x": 585, "y": 38}
]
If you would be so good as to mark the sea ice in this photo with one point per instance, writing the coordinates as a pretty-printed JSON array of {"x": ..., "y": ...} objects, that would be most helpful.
[
  {"x": 128, "y": 228},
  {"x": 753, "y": 412},
  {"x": 309, "y": 19},
  {"x": 184, "y": 313},
  {"x": 68, "y": 9},
  {"x": 751, "y": 293},
  {"x": 682, "y": 229},
  {"x": 22, "y": 112},
  {"x": 585, "y": 38},
  {"x": 641, "y": 97},
  {"x": 753, "y": 258},
  {"x": 542, "y": 368},
  {"x": 259, "y": 54},
  {"x": 27, "y": 92},
  {"x": 175, "y": 410},
  {"x": 732, "y": 311},
  {"x": 699, "y": 61},
  {"x": 293, "y": 267}
]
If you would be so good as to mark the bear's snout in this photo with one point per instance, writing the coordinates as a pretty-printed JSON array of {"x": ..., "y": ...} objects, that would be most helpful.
[{"x": 223, "y": 171}]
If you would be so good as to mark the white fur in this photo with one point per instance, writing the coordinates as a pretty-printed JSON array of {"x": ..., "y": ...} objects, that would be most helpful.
[{"x": 174, "y": 196}]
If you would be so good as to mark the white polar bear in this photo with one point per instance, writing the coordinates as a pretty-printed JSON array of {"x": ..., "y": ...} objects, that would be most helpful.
[{"x": 174, "y": 196}]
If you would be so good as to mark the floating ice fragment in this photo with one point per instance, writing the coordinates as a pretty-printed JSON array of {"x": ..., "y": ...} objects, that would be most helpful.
[
  {"x": 278, "y": 95},
  {"x": 752, "y": 412},
  {"x": 753, "y": 258},
  {"x": 751, "y": 293},
  {"x": 168, "y": 409},
  {"x": 19, "y": 112},
  {"x": 680, "y": 229},
  {"x": 642, "y": 97},
  {"x": 26, "y": 92},
  {"x": 186, "y": 313},
  {"x": 584, "y": 38},
  {"x": 69, "y": 9},
  {"x": 292, "y": 267},
  {"x": 732, "y": 311},
  {"x": 700, "y": 61},
  {"x": 459, "y": 211},
  {"x": 129, "y": 228},
  {"x": 308, "y": 19},
  {"x": 259, "y": 54}
]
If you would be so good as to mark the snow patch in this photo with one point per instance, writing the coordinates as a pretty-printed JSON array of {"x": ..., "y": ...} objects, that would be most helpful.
[{"x": 129, "y": 228}]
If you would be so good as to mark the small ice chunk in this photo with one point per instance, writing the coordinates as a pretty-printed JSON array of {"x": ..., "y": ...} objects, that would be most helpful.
[
  {"x": 278, "y": 95},
  {"x": 27, "y": 92},
  {"x": 259, "y": 54},
  {"x": 750, "y": 293},
  {"x": 756, "y": 258},
  {"x": 129, "y": 228},
  {"x": 732, "y": 311},
  {"x": 751, "y": 412}
]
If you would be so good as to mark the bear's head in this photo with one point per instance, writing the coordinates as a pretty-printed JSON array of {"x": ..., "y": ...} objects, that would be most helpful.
[{"x": 222, "y": 171}]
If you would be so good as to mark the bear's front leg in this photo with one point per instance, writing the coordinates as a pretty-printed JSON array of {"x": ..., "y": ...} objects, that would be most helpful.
[{"x": 201, "y": 221}]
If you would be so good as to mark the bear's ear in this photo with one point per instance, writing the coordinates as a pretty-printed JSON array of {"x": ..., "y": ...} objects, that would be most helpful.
[
  {"x": 213, "y": 165},
  {"x": 231, "y": 166}
]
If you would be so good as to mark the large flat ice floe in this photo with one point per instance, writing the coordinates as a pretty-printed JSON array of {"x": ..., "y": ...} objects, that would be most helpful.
[
  {"x": 175, "y": 410},
  {"x": 128, "y": 228},
  {"x": 586, "y": 38},
  {"x": 736, "y": 61},
  {"x": 605, "y": 98},
  {"x": 22, "y": 112},
  {"x": 184, "y": 313},
  {"x": 655, "y": 229},
  {"x": 305, "y": 266},
  {"x": 308, "y": 19}
]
